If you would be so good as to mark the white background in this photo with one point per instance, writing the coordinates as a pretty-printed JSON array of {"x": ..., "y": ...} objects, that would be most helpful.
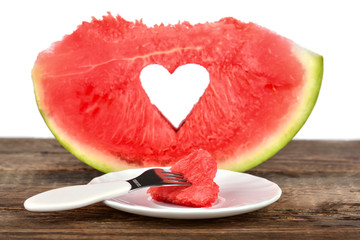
[{"x": 330, "y": 28}]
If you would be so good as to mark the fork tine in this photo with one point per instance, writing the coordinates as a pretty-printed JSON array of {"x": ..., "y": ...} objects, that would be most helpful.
[
  {"x": 164, "y": 177},
  {"x": 172, "y": 173},
  {"x": 174, "y": 176},
  {"x": 177, "y": 180}
]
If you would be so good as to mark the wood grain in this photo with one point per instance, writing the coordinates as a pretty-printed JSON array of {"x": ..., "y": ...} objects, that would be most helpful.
[{"x": 320, "y": 182}]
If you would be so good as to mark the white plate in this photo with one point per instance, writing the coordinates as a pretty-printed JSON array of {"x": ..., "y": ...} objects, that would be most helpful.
[{"x": 239, "y": 193}]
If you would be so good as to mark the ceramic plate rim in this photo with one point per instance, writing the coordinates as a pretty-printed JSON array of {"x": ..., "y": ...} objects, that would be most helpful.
[{"x": 180, "y": 212}]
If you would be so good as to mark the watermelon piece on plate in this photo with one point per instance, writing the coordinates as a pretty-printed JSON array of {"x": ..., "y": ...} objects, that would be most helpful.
[
  {"x": 262, "y": 89},
  {"x": 199, "y": 168}
]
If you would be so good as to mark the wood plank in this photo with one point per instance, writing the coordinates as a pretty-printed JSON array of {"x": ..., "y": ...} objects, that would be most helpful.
[
  {"x": 315, "y": 156},
  {"x": 297, "y": 157},
  {"x": 320, "y": 182},
  {"x": 37, "y": 155}
]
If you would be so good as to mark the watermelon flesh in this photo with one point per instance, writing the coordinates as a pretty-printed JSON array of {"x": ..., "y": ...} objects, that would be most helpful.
[
  {"x": 199, "y": 168},
  {"x": 262, "y": 89}
]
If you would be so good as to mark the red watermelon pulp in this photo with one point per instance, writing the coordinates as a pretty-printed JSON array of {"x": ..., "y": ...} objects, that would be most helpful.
[
  {"x": 262, "y": 89},
  {"x": 199, "y": 168}
]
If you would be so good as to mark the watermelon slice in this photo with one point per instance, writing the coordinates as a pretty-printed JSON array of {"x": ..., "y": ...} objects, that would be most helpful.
[
  {"x": 199, "y": 168},
  {"x": 262, "y": 89}
]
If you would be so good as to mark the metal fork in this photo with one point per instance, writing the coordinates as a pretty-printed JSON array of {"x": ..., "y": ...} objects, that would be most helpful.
[{"x": 77, "y": 196}]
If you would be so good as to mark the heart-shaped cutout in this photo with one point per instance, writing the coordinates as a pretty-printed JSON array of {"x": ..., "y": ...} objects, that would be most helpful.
[{"x": 174, "y": 94}]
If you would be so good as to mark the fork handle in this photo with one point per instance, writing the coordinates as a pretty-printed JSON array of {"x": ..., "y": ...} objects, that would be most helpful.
[{"x": 77, "y": 196}]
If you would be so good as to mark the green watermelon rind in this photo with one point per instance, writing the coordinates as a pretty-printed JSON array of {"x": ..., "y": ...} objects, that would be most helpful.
[
  {"x": 312, "y": 63},
  {"x": 87, "y": 154}
]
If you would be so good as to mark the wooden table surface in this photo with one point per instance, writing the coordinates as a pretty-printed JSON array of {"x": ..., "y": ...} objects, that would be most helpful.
[{"x": 320, "y": 182}]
